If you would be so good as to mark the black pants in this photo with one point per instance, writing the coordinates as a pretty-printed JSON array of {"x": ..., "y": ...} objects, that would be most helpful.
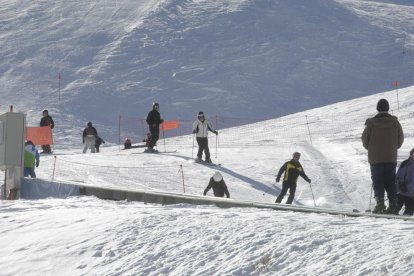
[
  {"x": 383, "y": 178},
  {"x": 155, "y": 135},
  {"x": 285, "y": 187},
  {"x": 203, "y": 146},
  {"x": 408, "y": 202}
]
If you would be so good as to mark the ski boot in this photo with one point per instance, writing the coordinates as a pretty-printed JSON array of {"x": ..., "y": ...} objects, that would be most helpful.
[
  {"x": 380, "y": 208},
  {"x": 392, "y": 208}
]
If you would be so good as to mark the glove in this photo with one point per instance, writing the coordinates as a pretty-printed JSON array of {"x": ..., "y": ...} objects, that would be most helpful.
[
  {"x": 309, "y": 181},
  {"x": 194, "y": 131},
  {"x": 37, "y": 164},
  {"x": 216, "y": 132},
  {"x": 162, "y": 121},
  {"x": 277, "y": 179},
  {"x": 83, "y": 141}
]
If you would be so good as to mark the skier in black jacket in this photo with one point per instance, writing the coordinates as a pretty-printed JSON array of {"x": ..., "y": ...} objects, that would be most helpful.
[
  {"x": 291, "y": 169},
  {"x": 88, "y": 138},
  {"x": 154, "y": 120},
  {"x": 46, "y": 121},
  {"x": 218, "y": 185}
]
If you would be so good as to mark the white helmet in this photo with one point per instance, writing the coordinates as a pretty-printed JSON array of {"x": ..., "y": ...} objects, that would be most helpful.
[{"x": 217, "y": 177}]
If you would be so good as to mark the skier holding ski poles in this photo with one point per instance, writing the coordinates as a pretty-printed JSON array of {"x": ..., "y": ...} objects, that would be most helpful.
[
  {"x": 382, "y": 137},
  {"x": 291, "y": 169},
  {"x": 201, "y": 128}
]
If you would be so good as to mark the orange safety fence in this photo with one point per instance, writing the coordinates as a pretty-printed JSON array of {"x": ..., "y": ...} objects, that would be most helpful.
[
  {"x": 39, "y": 135},
  {"x": 169, "y": 125}
]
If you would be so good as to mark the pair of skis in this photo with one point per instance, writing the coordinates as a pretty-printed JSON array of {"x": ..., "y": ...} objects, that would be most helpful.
[{"x": 206, "y": 163}]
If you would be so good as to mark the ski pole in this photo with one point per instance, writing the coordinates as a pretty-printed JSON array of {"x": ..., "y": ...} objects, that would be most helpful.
[
  {"x": 370, "y": 198},
  {"x": 312, "y": 194},
  {"x": 163, "y": 136},
  {"x": 192, "y": 149}
]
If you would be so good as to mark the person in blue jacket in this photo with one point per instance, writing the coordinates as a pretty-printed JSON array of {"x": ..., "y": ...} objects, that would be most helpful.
[
  {"x": 405, "y": 185},
  {"x": 31, "y": 159}
]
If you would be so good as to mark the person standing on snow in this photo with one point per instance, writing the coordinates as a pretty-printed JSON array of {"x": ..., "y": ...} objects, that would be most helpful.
[
  {"x": 46, "y": 121},
  {"x": 201, "y": 128},
  {"x": 291, "y": 169},
  {"x": 88, "y": 138},
  {"x": 154, "y": 120},
  {"x": 405, "y": 185},
  {"x": 31, "y": 159},
  {"x": 218, "y": 185},
  {"x": 382, "y": 137}
]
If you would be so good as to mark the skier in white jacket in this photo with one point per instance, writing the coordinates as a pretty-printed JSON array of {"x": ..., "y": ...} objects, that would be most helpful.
[{"x": 201, "y": 128}]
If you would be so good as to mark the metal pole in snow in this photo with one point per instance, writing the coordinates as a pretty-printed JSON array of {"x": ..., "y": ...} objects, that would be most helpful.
[
  {"x": 119, "y": 132},
  {"x": 54, "y": 167},
  {"x": 59, "y": 78},
  {"x": 307, "y": 123},
  {"x": 182, "y": 177},
  {"x": 396, "y": 84}
]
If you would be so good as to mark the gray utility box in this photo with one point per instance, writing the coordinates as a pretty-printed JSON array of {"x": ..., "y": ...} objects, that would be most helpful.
[{"x": 12, "y": 137}]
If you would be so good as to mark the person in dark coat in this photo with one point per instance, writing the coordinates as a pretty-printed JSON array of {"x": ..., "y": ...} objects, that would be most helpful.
[
  {"x": 46, "y": 121},
  {"x": 291, "y": 169},
  {"x": 88, "y": 138},
  {"x": 218, "y": 185},
  {"x": 98, "y": 142},
  {"x": 382, "y": 137},
  {"x": 127, "y": 143},
  {"x": 405, "y": 185},
  {"x": 154, "y": 120}
]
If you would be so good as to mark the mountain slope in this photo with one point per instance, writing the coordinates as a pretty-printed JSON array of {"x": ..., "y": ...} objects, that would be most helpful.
[{"x": 254, "y": 59}]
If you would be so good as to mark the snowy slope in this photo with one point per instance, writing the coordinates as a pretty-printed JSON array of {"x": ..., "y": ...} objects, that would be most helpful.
[
  {"x": 250, "y": 59},
  {"x": 90, "y": 236}
]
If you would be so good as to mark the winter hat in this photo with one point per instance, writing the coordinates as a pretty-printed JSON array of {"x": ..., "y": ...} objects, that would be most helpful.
[
  {"x": 217, "y": 177},
  {"x": 383, "y": 105},
  {"x": 155, "y": 104},
  {"x": 45, "y": 111},
  {"x": 200, "y": 114},
  {"x": 296, "y": 154},
  {"x": 89, "y": 124}
]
